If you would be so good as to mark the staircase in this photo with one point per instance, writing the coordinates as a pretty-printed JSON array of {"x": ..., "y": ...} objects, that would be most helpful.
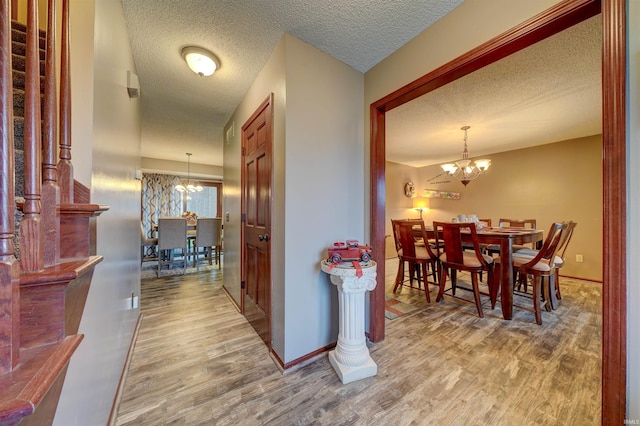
[
  {"x": 18, "y": 61},
  {"x": 47, "y": 247}
]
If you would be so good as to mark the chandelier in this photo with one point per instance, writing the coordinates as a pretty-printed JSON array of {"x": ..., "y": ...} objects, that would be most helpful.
[
  {"x": 463, "y": 170},
  {"x": 188, "y": 186}
]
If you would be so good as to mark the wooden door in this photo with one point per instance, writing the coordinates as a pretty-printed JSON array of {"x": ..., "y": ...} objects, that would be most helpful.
[{"x": 256, "y": 208}]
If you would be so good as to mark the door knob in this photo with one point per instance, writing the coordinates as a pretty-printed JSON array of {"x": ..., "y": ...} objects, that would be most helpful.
[{"x": 264, "y": 237}]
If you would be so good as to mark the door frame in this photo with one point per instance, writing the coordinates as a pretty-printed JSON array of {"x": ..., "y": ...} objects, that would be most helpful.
[
  {"x": 547, "y": 23},
  {"x": 267, "y": 103}
]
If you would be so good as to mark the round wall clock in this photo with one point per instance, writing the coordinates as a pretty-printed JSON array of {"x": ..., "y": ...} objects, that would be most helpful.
[{"x": 409, "y": 189}]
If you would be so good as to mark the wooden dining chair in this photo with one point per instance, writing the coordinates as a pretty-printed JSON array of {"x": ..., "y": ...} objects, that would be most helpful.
[
  {"x": 148, "y": 246},
  {"x": 208, "y": 238},
  {"x": 492, "y": 249},
  {"x": 456, "y": 259},
  {"x": 556, "y": 295},
  {"x": 483, "y": 247},
  {"x": 416, "y": 255},
  {"x": 517, "y": 223},
  {"x": 172, "y": 236},
  {"x": 414, "y": 273},
  {"x": 542, "y": 268}
]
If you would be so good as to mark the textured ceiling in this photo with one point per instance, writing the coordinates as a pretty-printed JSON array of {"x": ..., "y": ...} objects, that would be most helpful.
[
  {"x": 182, "y": 112},
  {"x": 546, "y": 93}
]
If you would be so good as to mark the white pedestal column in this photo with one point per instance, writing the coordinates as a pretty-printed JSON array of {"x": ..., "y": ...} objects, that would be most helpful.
[{"x": 351, "y": 359}]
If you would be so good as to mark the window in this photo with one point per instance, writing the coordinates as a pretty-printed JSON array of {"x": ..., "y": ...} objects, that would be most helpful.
[{"x": 207, "y": 203}]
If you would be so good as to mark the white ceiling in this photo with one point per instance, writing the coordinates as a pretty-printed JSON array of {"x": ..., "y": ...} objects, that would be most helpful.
[
  {"x": 546, "y": 93},
  {"x": 182, "y": 112}
]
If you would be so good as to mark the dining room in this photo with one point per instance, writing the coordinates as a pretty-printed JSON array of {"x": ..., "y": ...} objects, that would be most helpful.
[
  {"x": 533, "y": 121},
  {"x": 557, "y": 177},
  {"x": 194, "y": 198},
  {"x": 537, "y": 182}
]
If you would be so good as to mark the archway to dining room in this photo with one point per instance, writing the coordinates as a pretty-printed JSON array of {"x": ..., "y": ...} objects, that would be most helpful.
[{"x": 550, "y": 22}]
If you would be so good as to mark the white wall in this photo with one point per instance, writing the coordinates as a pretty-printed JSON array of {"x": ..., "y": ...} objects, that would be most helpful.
[
  {"x": 113, "y": 148},
  {"x": 633, "y": 197}
]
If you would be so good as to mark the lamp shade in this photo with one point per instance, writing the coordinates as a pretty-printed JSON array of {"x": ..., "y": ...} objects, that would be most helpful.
[
  {"x": 200, "y": 61},
  {"x": 421, "y": 203}
]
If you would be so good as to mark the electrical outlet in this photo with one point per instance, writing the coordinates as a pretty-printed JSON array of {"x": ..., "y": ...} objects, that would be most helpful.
[{"x": 579, "y": 258}]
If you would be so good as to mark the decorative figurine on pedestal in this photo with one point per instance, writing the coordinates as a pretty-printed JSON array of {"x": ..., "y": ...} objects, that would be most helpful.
[
  {"x": 351, "y": 359},
  {"x": 351, "y": 251}
]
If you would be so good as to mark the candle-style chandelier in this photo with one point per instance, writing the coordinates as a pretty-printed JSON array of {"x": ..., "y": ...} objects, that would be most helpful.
[
  {"x": 462, "y": 169},
  {"x": 188, "y": 186}
]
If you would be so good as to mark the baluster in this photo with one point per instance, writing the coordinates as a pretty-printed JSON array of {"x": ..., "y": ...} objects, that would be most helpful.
[
  {"x": 31, "y": 241},
  {"x": 65, "y": 168},
  {"x": 9, "y": 267},
  {"x": 50, "y": 188}
]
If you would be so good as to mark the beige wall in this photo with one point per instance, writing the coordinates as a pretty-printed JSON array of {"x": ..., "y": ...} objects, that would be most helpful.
[
  {"x": 555, "y": 182},
  {"x": 180, "y": 168},
  {"x": 106, "y": 148},
  {"x": 271, "y": 79},
  {"x": 317, "y": 195},
  {"x": 447, "y": 39}
]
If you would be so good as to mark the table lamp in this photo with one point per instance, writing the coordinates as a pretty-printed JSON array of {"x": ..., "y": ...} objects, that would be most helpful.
[{"x": 420, "y": 204}]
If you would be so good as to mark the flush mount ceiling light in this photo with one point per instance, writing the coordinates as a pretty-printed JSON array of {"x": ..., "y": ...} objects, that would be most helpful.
[{"x": 200, "y": 61}]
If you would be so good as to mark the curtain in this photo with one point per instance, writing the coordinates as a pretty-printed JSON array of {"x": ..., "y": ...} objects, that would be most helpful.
[{"x": 159, "y": 199}]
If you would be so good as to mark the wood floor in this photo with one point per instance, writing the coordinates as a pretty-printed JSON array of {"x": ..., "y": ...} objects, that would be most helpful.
[{"x": 197, "y": 361}]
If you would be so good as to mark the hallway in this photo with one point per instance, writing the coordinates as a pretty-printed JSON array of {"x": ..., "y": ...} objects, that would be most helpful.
[{"x": 197, "y": 361}]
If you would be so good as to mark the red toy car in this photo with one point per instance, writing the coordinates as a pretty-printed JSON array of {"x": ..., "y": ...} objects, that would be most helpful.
[{"x": 341, "y": 252}]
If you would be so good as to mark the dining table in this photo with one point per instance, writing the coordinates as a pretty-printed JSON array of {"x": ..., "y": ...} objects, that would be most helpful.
[{"x": 505, "y": 238}]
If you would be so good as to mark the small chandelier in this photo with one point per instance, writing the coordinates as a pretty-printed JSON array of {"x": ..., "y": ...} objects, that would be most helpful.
[
  {"x": 188, "y": 186},
  {"x": 463, "y": 170}
]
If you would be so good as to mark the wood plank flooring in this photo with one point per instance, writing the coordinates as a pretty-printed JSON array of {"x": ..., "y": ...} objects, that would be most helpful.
[{"x": 197, "y": 361}]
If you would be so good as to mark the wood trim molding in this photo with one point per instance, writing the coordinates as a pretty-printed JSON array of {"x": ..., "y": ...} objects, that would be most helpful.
[
  {"x": 547, "y": 23},
  {"x": 614, "y": 171},
  {"x": 113, "y": 414}
]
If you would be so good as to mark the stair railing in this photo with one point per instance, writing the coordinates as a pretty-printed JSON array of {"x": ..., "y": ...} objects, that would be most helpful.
[
  {"x": 45, "y": 281},
  {"x": 9, "y": 267},
  {"x": 50, "y": 188},
  {"x": 65, "y": 168},
  {"x": 31, "y": 241}
]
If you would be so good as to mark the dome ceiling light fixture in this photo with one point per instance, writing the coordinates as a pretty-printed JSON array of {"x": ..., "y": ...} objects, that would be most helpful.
[{"x": 200, "y": 61}]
